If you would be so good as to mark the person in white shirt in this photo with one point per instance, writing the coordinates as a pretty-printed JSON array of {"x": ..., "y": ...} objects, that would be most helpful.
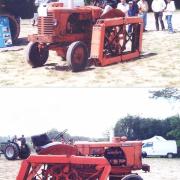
[
  {"x": 170, "y": 8},
  {"x": 158, "y": 6},
  {"x": 143, "y": 10},
  {"x": 123, "y": 6}
]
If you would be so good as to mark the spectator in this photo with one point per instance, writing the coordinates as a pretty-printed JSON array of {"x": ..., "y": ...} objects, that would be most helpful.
[
  {"x": 123, "y": 6},
  {"x": 135, "y": 8},
  {"x": 133, "y": 11},
  {"x": 130, "y": 13},
  {"x": 143, "y": 9},
  {"x": 170, "y": 8},
  {"x": 15, "y": 139},
  {"x": 23, "y": 140},
  {"x": 158, "y": 6}
]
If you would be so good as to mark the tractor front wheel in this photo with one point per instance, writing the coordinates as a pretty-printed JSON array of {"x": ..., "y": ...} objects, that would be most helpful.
[
  {"x": 37, "y": 54},
  {"x": 77, "y": 56},
  {"x": 11, "y": 151},
  {"x": 24, "y": 152}
]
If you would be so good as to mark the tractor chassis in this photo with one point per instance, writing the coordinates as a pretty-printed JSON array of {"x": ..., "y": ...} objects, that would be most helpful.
[{"x": 108, "y": 43}]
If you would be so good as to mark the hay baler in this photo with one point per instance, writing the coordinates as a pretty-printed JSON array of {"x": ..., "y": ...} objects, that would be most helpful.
[
  {"x": 84, "y": 34},
  {"x": 83, "y": 161}
]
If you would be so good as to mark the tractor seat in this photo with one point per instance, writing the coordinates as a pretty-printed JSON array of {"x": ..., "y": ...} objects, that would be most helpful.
[
  {"x": 40, "y": 140},
  {"x": 51, "y": 144}
]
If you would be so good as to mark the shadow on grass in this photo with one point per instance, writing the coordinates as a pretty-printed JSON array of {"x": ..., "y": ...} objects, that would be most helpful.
[
  {"x": 147, "y": 54},
  {"x": 21, "y": 42},
  {"x": 17, "y": 46},
  {"x": 57, "y": 67},
  {"x": 91, "y": 66}
]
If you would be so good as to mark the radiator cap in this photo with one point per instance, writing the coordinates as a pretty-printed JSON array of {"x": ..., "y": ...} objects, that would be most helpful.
[{"x": 119, "y": 139}]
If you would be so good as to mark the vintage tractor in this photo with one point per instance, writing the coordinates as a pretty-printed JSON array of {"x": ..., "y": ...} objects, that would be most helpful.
[
  {"x": 83, "y": 161},
  {"x": 14, "y": 10},
  {"x": 13, "y": 150},
  {"x": 83, "y": 35}
]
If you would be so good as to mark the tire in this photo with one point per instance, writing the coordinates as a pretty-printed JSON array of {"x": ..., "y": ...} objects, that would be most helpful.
[
  {"x": 77, "y": 56},
  {"x": 14, "y": 26},
  {"x": 11, "y": 151},
  {"x": 36, "y": 57},
  {"x": 114, "y": 178},
  {"x": 170, "y": 155},
  {"x": 132, "y": 177},
  {"x": 24, "y": 152}
]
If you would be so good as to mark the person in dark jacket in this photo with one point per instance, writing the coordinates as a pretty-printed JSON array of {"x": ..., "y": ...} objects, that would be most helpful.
[
  {"x": 23, "y": 140},
  {"x": 135, "y": 8},
  {"x": 133, "y": 11}
]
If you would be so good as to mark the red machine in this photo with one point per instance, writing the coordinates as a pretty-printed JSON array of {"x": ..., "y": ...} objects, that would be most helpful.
[
  {"x": 82, "y": 34},
  {"x": 83, "y": 161}
]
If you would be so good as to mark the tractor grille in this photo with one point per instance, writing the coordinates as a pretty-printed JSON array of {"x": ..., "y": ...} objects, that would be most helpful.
[{"x": 45, "y": 24}]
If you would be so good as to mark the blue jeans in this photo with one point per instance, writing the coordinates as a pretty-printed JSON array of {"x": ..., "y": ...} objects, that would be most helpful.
[
  {"x": 144, "y": 17},
  {"x": 169, "y": 22}
]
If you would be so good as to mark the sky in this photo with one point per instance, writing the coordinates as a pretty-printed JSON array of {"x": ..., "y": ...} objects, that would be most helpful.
[{"x": 86, "y": 112}]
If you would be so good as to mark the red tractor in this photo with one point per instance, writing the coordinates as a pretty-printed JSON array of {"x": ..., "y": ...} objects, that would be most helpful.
[
  {"x": 83, "y": 35},
  {"x": 83, "y": 161}
]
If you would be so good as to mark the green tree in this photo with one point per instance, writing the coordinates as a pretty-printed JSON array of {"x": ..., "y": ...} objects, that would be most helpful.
[
  {"x": 172, "y": 123},
  {"x": 135, "y": 127},
  {"x": 174, "y": 132},
  {"x": 167, "y": 93}
]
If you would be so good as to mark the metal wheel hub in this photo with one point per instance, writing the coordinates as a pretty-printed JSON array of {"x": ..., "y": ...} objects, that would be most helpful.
[
  {"x": 9, "y": 152},
  {"x": 78, "y": 55}
]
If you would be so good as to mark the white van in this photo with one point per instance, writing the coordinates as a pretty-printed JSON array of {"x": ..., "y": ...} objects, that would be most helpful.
[{"x": 158, "y": 146}]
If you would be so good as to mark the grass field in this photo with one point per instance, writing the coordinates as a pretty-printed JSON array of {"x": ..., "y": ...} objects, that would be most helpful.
[
  {"x": 158, "y": 67},
  {"x": 161, "y": 169}
]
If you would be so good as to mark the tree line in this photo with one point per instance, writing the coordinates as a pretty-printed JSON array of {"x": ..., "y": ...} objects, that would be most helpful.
[{"x": 135, "y": 127}]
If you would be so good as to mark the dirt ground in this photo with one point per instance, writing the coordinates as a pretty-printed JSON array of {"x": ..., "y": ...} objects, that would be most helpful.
[
  {"x": 161, "y": 169},
  {"x": 158, "y": 67}
]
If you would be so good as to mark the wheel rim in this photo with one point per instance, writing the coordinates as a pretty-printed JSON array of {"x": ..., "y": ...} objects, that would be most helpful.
[
  {"x": 170, "y": 155},
  {"x": 9, "y": 152},
  {"x": 78, "y": 56}
]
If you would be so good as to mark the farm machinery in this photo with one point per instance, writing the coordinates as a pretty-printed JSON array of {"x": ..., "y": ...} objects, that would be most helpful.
[
  {"x": 83, "y": 161},
  {"x": 13, "y": 150},
  {"x": 84, "y": 36},
  {"x": 14, "y": 10}
]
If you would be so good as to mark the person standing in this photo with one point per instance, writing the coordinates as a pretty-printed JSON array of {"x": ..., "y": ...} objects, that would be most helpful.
[
  {"x": 143, "y": 10},
  {"x": 170, "y": 8},
  {"x": 135, "y": 8},
  {"x": 123, "y": 6},
  {"x": 133, "y": 11},
  {"x": 158, "y": 6},
  {"x": 23, "y": 140}
]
